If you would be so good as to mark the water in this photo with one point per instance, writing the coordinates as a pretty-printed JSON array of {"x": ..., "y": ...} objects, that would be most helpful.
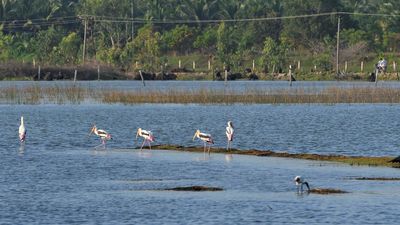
[
  {"x": 81, "y": 186},
  {"x": 237, "y": 86},
  {"x": 58, "y": 178},
  {"x": 357, "y": 129}
]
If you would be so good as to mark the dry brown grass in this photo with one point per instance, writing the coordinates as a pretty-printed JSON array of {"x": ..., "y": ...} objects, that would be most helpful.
[{"x": 76, "y": 94}]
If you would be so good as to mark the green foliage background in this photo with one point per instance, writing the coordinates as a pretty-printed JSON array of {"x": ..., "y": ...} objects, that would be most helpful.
[{"x": 147, "y": 34}]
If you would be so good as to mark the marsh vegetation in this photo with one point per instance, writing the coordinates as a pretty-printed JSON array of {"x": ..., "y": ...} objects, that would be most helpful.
[{"x": 76, "y": 94}]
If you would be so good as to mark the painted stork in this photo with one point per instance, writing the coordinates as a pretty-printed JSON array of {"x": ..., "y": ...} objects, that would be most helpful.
[
  {"x": 146, "y": 135},
  {"x": 102, "y": 134},
  {"x": 300, "y": 182},
  {"x": 229, "y": 134},
  {"x": 22, "y": 130},
  {"x": 206, "y": 138}
]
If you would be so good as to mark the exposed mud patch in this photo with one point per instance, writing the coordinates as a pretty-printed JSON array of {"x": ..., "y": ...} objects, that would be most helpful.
[
  {"x": 326, "y": 191},
  {"x": 195, "y": 188}
]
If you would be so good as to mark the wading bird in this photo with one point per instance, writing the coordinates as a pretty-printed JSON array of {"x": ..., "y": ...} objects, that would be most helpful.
[
  {"x": 102, "y": 134},
  {"x": 22, "y": 130},
  {"x": 206, "y": 138},
  {"x": 299, "y": 183},
  {"x": 229, "y": 134},
  {"x": 146, "y": 135}
]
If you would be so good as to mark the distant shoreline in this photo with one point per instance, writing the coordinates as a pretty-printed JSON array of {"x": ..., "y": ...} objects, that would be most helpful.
[{"x": 26, "y": 71}]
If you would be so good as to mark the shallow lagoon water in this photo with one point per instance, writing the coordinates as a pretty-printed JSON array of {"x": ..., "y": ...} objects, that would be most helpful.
[
  {"x": 58, "y": 178},
  {"x": 357, "y": 129},
  {"x": 82, "y": 186},
  {"x": 236, "y": 86}
]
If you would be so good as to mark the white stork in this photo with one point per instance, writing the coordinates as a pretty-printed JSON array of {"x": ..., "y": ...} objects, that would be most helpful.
[
  {"x": 299, "y": 183},
  {"x": 102, "y": 134},
  {"x": 229, "y": 134},
  {"x": 146, "y": 135},
  {"x": 22, "y": 131},
  {"x": 206, "y": 138}
]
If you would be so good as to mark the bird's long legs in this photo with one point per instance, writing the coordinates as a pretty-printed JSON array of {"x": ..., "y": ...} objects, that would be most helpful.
[
  {"x": 144, "y": 141},
  {"x": 103, "y": 143},
  {"x": 229, "y": 145}
]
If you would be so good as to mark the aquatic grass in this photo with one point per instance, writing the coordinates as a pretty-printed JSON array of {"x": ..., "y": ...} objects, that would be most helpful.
[{"x": 75, "y": 94}]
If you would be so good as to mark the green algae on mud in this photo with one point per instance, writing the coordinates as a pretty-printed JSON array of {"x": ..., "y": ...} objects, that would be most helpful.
[
  {"x": 195, "y": 188},
  {"x": 377, "y": 178},
  {"x": 326, "y": 191},
  {"x": 351, "y": 160}
]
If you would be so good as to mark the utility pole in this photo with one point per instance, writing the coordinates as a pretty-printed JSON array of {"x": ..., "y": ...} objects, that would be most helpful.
[
  {"x": 337, "y": 46},
  {"x": 133, "y": 29},
  {"x": 84, "y": 41}
]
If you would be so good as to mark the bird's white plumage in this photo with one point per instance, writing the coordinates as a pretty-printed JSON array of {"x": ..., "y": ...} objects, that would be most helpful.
[
  {"x": 146, "y": 135},
  {"x": 229, "y": 131},
  {"x": 22, "y": 130}
]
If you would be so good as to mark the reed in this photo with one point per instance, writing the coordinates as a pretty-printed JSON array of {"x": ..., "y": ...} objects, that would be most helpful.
[{"x": 75, "y": 94}]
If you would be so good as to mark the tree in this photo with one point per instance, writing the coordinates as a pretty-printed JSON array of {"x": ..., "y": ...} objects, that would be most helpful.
[{"x": 147, "y": 47}]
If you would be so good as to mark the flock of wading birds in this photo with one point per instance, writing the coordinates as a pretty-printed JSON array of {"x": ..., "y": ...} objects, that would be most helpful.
[{"x": 148, "y": 138}]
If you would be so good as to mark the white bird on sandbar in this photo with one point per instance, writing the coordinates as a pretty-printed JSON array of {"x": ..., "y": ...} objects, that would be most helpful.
[
  {"x": 206, "y": 138},
  {"x": 229, "y": 134},
  {"x": 22, "y": 130},
  {"x": 102, "y": 134},
  {"x": 146, "y": 135},
  {"x": 300, "y": 182}
]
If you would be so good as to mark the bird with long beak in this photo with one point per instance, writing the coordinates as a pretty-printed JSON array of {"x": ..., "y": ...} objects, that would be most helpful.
[
  {"x": 229, "y": 134},
  {"x": 299, "y": 183},
  {"x": 206, "y": 138},
  {"x": 22, "y": 131},
  {"x": 102, "y": 134},
  {"x": 147, "y": 136}
]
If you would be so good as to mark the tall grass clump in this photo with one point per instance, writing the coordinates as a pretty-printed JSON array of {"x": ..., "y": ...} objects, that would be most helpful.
[{"x": 75, "y": 94}]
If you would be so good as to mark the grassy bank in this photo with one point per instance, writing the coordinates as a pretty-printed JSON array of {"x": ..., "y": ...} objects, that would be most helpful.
[
  {"x": 351, "y": 160},
  {"x": 76, "y": 94}
]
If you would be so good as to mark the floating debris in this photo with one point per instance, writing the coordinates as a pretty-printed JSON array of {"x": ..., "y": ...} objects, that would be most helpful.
[{"x": 195, "y": 188}]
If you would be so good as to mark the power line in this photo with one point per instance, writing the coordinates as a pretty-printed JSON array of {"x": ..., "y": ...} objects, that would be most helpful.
[{"x": 77, "y": 19}]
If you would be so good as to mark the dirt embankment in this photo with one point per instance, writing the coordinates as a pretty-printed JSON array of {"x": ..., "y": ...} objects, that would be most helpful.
[{"x": 20, "y": 71}]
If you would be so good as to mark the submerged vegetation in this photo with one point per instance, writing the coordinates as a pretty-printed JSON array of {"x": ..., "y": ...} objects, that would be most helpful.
[
  {"x": 351, "y": 160},
  {"x": 76, "y": 94}
]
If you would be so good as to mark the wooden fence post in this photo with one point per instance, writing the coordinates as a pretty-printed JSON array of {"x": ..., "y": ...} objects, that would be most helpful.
[
  {"x": 39, "y": 73},
  {"x": 362, "y": 66}
]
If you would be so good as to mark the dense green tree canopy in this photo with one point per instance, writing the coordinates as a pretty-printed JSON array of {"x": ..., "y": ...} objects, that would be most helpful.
[{"x": 122, "y": 32}]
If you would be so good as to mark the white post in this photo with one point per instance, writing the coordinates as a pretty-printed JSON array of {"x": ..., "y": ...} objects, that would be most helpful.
[
  {"x": 226, "y": 76},
  {"x": 98, "y": 72},
  {"x": 362, "y": 66},
  {"x": 298, "y": 65},
  {"x": 394, "y": 66},
  {"x": 345, "y": 66},
  {"x": 179, "y": 64},
  {"x": 76, "y": 73},
  {"x": 254, "y": 65},
  {"x": 39, "y": 73},
  {"x": 209, "y": 65},
  {"x": 315, "y": 68},
  {"x": 141, "y": 76},
  {"x": 34, "y": 63},
  {"x": 194, "y": 65}
]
